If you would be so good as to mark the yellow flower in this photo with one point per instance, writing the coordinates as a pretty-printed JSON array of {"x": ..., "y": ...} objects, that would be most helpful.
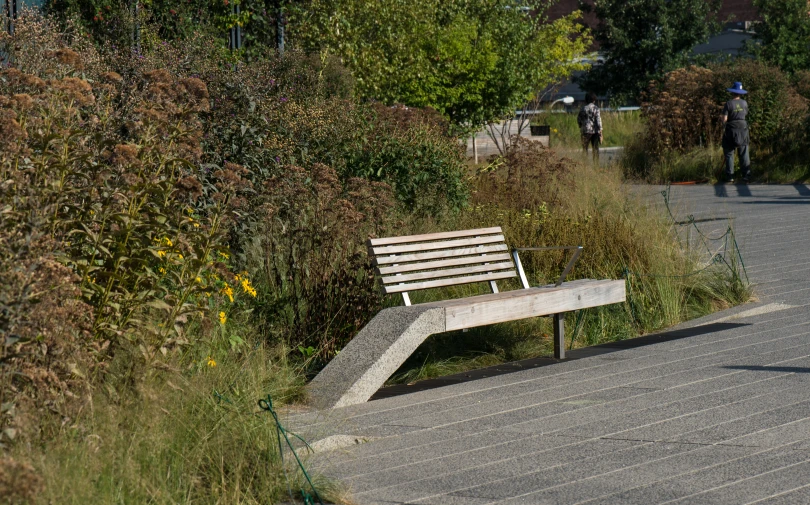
[
  {"x": 198, "y": 280},
  {"x": 222, "y": 318},
  {"x": 224, "y": 255},
  {"x": 246, "y": 287},
  {"x": 196, "y": 224},
  {"x": 161, "y": 253},
  {"x": 228, "y": 291},
  {"x": 211, "y": 362},
  {"x": 180, "y": 256},
  {"x": 162, "y": 270}
]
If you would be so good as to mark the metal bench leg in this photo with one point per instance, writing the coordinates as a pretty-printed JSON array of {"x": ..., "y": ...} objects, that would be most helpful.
[{"x": 559, "y": 336}]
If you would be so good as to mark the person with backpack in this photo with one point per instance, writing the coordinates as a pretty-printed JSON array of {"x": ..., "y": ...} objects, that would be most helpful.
[
  {"x": 735, "y": 135},
  {"x": 590, "y": 125}
]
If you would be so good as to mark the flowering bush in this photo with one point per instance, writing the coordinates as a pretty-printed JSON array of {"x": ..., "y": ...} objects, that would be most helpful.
[{"x": 111, "y": 233}]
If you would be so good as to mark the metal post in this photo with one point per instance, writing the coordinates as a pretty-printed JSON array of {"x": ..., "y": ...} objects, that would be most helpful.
[
  {"x": 136, "y": 26},
  {"x": 559, "y": 336},
  {"x": 236, "y": 31},
  {"x": 280, "y": 27},
  {"x": 11, "y": 14}
]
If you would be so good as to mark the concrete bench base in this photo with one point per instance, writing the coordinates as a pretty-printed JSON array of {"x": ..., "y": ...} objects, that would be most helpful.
[{"x": 363, "y": 366}]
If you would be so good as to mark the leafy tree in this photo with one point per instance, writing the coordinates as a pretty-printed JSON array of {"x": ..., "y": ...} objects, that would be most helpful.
[
  {"x": 782, "y": 37},
  {"x": 644, "y": 39},
  {"x": 472, "y": 60}
]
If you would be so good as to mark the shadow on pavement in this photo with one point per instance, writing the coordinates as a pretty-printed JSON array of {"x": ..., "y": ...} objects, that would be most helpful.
[
  {"x": 786, "y": 369},
  {"x": 526, "y": 364},
  {"x": 743, "y": 190}
]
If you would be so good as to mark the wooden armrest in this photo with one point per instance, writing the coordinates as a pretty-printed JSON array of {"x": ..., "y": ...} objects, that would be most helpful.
[{"x": 574, "y": 257}]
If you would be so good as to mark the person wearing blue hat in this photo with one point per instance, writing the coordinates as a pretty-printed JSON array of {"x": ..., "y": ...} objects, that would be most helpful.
[{"x": 735, "y": 136}]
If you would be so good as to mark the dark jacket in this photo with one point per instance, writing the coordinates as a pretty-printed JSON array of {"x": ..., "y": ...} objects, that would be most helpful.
[{"x": 736, "y": 132}]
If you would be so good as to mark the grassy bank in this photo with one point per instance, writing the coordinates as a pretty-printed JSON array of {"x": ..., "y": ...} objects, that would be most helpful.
[
  {"x": 619, "y": 128},
  {"x": 707, "y": 164},
  {"x": 183, "y": 438}
]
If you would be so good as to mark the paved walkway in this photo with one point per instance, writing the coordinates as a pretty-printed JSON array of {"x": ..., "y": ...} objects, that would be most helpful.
[{"x": 715, "y": 414}]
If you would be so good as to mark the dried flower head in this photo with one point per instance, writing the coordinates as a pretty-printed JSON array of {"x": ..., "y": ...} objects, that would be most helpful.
[
  {"x": 190, "y": 187},
  {"x": 160, "y": 75},
  {"x": 18, "y": 78},
  {"x": 10, "y": 129},
  {"x": 112, "y": 77},
  {"x": 23, "y": 101},
  {"x": 125, "y": 154},
  {"x": 194, "y": 87},
  {"x": 67, "y": 56},
  {"x": 75, "y": 89}
]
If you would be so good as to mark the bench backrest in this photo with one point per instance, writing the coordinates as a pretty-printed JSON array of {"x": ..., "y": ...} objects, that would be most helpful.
[{"x": 434, "y": 260}]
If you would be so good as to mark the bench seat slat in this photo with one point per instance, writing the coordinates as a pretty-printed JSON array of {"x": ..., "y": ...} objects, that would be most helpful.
[
  {"x": 450, "y": 272},
  {"x": 376, "y": 242},
  {"x": 399, "y": 288},
  {"x": 428, "y": 265},
  {"x": 446, "y": 253},
  {"x": 432, "y": 246}
]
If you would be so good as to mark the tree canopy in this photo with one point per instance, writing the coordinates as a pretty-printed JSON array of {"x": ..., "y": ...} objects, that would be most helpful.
[
  {"x": 644, "y": 39},
  {"x": 782, "y": 37},
  {"x": 472, "y": 60}
]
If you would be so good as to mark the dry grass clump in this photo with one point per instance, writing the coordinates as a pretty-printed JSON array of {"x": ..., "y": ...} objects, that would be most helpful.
[{"x": 19, "y": 482}]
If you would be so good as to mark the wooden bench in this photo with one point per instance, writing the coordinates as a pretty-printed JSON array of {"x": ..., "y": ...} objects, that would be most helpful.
[{"x": 417, "y": 262}]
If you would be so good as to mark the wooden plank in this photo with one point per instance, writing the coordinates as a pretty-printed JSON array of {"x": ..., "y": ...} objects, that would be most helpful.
[
  {"x": 449, "y": 272},
  {"x": 490, "y": 309},
  {"x": 432, "y": 246},
  {"x": 454, "y": 253},
  {"x": 398, "y": 288},
  {"x": 427, "y": 265},
  {"x": 376, "y": 242}
]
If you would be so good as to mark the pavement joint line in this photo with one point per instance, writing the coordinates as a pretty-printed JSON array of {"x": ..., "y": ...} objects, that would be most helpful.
[
  {"x": 622, "y": 469},
  {"x": 582, "y": 440},
  {"x": 736, "y": 482},
  {"x": 607, "y": 437},
  {"x": 783, "y": 493},
  {"x": 491, "y": 463},
  {"x": 698, "y": 470},
  {"x": 783, "y": 293},
  {"x": 764, "y": 309},
  {"x": 579, "y": 370},
  {"x": 670, "y": 478}
]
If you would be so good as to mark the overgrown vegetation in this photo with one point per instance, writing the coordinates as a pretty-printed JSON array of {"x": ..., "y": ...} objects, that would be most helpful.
[
  {"x": 183, "y": 233},
  {"x": 683, "y": 127}
]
